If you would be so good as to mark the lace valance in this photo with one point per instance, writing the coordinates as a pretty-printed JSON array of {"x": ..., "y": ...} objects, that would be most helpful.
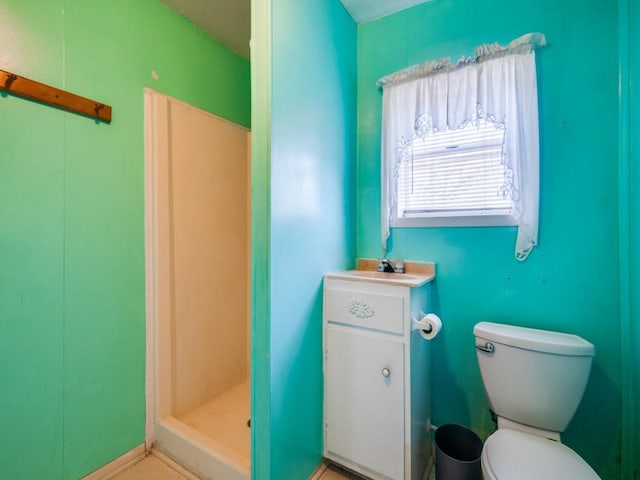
[{"x": 487, "y": 51}]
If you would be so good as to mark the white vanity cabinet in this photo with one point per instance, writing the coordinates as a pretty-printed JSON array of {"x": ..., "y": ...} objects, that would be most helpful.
[{"x": 376, "y": 376}]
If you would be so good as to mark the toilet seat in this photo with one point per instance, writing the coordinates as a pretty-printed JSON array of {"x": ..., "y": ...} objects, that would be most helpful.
[{"x": 509, "y": 454}]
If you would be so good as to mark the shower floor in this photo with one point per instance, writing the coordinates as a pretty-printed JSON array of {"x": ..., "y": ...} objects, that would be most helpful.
[{"x": 224, "y": 420}]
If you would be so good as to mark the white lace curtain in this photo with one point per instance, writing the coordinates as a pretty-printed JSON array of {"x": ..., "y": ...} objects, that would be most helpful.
[{"x": 498, "y": 84}]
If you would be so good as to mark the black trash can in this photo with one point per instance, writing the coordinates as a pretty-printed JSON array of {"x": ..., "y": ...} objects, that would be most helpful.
[{"x": 458, "y": 452}]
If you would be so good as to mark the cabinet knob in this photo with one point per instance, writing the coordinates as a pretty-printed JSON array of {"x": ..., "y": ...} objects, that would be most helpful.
[{"x": 386, "y": 372}]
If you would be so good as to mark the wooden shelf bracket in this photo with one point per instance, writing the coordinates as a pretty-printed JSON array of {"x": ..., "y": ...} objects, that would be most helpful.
[{"x": 39, "y": 92}]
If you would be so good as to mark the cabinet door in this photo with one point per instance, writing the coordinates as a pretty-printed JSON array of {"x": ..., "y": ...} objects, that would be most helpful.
[{"x": 365, "y": 399}]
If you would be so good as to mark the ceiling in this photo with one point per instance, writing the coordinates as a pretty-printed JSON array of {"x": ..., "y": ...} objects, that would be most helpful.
[
  {"x": 230, "y": 21},
  {"x": 366, "y": 10}
]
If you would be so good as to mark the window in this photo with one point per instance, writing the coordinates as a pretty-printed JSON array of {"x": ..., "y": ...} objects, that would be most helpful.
[
  {"x": 460, "y": 143},
  {"x": 455, "y": 177}
]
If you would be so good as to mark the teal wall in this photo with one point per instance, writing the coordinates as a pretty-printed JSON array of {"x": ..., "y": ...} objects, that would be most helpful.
[
  {"x": 72, "y": 315},
  {"x": 310, "y": 164},
  {"x": 570, "y": 282},
  {"x": 634, "y": 216},
  {"x": 630, "y": 229}
]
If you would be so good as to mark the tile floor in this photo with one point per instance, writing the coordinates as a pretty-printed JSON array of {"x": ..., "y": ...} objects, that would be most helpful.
[
  {"x": 152, "y": 468},
  {"x": 334, "y": 473}
]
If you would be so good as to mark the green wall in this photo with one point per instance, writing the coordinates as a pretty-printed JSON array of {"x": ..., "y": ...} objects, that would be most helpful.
[
  {"x": 570, "y": 282},
  {"x": 72, "y": 315},
  {"x": 305, "y": 97}
]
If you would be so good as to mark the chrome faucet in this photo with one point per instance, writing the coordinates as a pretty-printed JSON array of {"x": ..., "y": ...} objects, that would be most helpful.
[{"x": 384, "y": 265}]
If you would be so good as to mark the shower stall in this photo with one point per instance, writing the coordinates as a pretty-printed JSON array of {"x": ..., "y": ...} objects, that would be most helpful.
[{"x": 197, "y": 218}]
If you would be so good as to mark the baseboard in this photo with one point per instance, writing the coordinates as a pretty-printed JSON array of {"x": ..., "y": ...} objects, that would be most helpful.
[{"x": 121, "y": 463}]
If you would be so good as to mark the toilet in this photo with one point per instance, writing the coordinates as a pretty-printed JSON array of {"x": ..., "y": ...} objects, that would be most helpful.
[{"x": 534, "y": 381}]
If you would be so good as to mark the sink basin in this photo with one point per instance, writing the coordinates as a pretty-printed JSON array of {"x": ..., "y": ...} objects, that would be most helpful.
[
  {"x": 400, "y": 279},
  {"x": 376, "y": 274}
]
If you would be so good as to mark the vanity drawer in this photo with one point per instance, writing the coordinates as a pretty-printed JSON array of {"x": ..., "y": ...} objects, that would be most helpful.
[{"x": 367, "y": 310}]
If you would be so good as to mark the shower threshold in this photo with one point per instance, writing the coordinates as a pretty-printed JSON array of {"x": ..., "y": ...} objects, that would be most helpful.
[{"x": 212, "y": 440}]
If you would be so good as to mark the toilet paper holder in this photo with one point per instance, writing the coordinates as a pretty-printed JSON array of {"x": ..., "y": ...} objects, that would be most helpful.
[
  {"x": 426, "y": 324},
  {"x": 418, "y": 325}
]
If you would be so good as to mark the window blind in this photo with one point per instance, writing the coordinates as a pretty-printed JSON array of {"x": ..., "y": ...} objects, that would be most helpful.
[{"x": 454, "y": 173}]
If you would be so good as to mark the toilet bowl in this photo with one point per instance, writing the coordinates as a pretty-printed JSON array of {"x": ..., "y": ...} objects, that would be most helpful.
[
  {"x": 534, "y": 380},
  {"x": 510, "y": 454}
]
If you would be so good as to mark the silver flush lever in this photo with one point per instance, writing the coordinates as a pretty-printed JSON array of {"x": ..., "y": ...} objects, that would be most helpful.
[{"x": 487, "y": 347}]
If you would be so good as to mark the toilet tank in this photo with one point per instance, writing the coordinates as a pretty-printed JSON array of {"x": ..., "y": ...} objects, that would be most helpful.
[{"x": 533, "y": 377}]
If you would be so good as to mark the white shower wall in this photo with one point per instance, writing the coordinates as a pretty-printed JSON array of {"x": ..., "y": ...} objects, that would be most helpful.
[{"x": 209, "y": 205}]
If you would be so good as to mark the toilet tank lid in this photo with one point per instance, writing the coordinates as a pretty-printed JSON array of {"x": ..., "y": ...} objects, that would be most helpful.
[{"x": 534, "y": 339}]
